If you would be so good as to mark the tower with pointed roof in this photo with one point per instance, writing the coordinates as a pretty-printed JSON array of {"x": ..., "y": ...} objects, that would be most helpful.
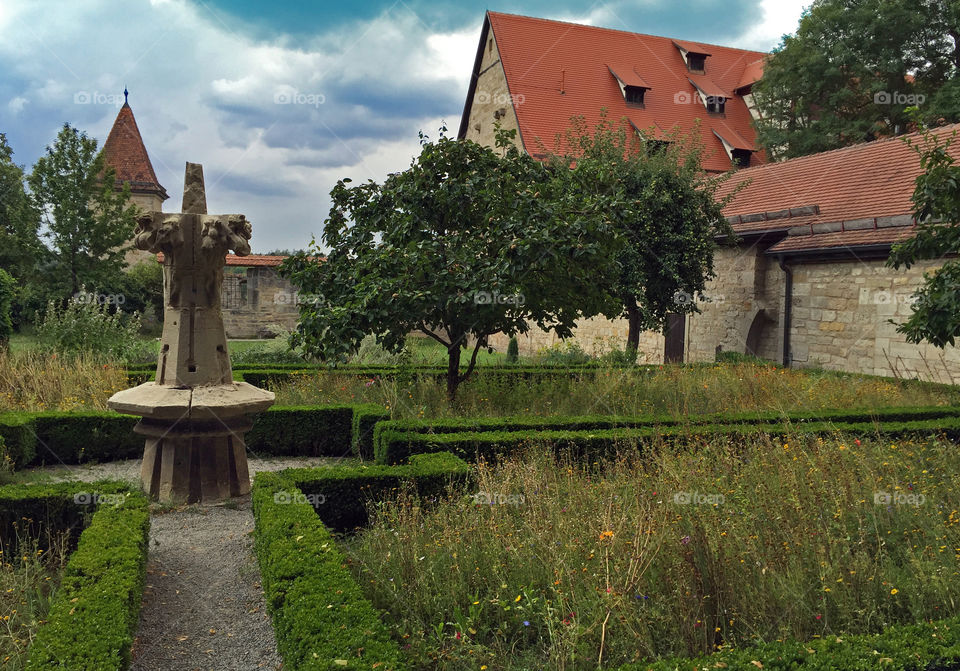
[{"x": 125, "y": 152}]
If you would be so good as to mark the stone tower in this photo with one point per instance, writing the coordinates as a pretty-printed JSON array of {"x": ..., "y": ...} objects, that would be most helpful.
[{"x": 125, "y": 152}]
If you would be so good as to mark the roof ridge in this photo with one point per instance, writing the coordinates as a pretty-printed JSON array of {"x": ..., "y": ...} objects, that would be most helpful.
[
  {"x": 852, "y": 147},
  {"x": 761, "y": 54}
]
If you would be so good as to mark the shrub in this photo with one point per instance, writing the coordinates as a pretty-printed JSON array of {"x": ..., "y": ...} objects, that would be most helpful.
[
  {"x": 87, "y": 326},
  {"x": 310, "y": 431},
  {"x": 95, "y": 612},
  {"x": 344, "y": 493},
  {"x": 8, "y": 287},
  {"x": 563, "y": 353},
  {"x": 365, "y": 420},
  {"x": 513, "y": 350},
  {"x": 319, "y": 614}
]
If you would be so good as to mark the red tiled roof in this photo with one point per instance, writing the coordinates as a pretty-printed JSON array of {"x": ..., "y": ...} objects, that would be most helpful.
[
  {"x": 874, "y": 179},
  {"x": 751, "y": 74},
  {"x": 706, "y": 86},
  {"x": 628, "y": 76},
  {"x": 125, "y": 153},
  {"x": 250, "y": 261},
  {"x": 841, "y": 239},
  {"x": 692, "y": 47},
  {"x": 561, "y": 70}
]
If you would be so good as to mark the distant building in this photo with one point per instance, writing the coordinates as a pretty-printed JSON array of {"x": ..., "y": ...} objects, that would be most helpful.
[{"x": 255, "y": 299}]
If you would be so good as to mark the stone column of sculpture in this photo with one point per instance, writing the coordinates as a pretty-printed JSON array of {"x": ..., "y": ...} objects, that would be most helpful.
[{"x": 194, "y": 414}]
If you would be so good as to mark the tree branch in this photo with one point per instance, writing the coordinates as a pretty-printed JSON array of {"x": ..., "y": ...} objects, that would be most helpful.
[
  {"x": 433, "y": 335},
  {"x": 473, "y": 359}
]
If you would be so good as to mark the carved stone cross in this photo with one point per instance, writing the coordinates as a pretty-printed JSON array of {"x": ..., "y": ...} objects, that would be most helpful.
[{"x": 194, "y": 414}]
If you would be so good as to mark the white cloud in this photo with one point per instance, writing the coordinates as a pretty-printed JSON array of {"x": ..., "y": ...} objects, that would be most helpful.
[
  {"x": 780, "y": 17},
  {"x": 16, "y": 105}
]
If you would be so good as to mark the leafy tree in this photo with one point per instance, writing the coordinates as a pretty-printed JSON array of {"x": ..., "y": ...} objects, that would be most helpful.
[
  {"x": 853, "y": 68},
  {"x": 20, "y": 243},
  {"x": 8, "y": 287},
  {"x": 936, "y": 201},
  {"x": 89, "y": 221},
  {"x": 465, "y": 243},
  {"x": 661, "y": 205}
]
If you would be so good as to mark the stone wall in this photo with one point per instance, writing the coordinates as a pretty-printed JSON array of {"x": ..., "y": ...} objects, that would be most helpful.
[
  {"x": 841, "y": 321},
  {"x": 492, "y": 100},
  {"x": 595, "y": 336},
  {"x": 255, "y": 301}
]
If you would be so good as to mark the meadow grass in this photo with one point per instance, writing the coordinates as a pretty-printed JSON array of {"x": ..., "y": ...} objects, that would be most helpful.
[
  {"x": 674, "y": 389},
  {"x": 27, "y": 583},
  {"x": 34, "y": 381},
  {"x": 577, "y": 566}
]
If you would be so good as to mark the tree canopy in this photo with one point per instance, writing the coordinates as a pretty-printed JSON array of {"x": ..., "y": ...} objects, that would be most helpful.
[
  {"x": 89, "y": 222},
  {"x": 663, "y": 208},
  {"x": 467, "y": 242},
  {"x": 936, "y": 200},
  {"x": 853, "y": 68}
]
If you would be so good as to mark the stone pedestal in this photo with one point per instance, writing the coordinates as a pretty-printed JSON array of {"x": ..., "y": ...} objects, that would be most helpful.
[{"x": 194, "y": 414}]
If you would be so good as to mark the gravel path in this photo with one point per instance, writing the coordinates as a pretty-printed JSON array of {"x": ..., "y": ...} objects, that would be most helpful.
[{"x": 203, "y": 607}]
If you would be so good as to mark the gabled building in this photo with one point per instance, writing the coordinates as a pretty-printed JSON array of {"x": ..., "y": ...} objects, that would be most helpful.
[{"x": 535, "y": 75}]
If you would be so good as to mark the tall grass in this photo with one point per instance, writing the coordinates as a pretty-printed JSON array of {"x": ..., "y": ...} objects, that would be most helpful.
[
  {"x": 35, "y": 381},
  {"x": 580, "y": 566},
  {"x": 27, "y": 582},
  {"x": 678, "y": 390}
]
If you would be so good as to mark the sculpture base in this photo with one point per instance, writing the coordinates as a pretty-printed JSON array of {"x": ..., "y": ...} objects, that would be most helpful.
[{"x": 192, "y": 462}]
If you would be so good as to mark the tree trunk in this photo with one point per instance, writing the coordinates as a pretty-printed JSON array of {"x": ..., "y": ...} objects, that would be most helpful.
[
  {"x": 633, "y": 325},
  {"x": 453, "y": 370}
]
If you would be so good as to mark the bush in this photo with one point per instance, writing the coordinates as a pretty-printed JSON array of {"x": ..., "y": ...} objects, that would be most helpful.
[
  {"x": 319, "y": 614},
  {"x": 95, "y": 612},
  {"x": 343, "y": 493},
  {"x": 513, "y": 350},
  {"x": 86, "y": 326},
  {"x": 309, "y": 431},
  {"x": 564, "y": 353},
  {"x": 8, "y": 287},
  {"x": 365, "y": 420},
  {"x": 371, "y": 353}
]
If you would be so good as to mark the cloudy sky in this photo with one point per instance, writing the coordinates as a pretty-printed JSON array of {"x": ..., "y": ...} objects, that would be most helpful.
[{"x": 208, "y": 80}]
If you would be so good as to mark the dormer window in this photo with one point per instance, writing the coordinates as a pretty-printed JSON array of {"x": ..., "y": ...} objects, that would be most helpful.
[
  {"x": 715, "y": 104},
  {"x": 738, "y": 150},
  {"x": 741, "y": 158},
  {"x": 634, "y": 94},
  {"x": 694, "y": 55},
  {"x": 632, "y": 85}
]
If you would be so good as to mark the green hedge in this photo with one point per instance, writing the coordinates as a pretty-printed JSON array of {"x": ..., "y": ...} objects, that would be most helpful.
[
  {"x": 396, "y": 447},
  {"x": 95, "y": 611},
  {"x": 313, "y": 431},
  {"x": 319, "y": 613},
  {"x": 341, "y": 494},
  {"x": 388, "y": 431},
  {"x": 77, "y": 437},
  {"x": 933, "y": 646},
  {"x": 365, "y": 420}
]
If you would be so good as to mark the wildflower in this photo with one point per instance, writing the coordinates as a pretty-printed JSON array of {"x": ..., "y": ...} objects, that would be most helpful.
[
  {"x": 526, "y": 623},
  {"x": 685, "y": 540},
  {"x": 894, "y": 590},
  {"x": 518, "y": 598},
  {"x": 606, "y": 534}
]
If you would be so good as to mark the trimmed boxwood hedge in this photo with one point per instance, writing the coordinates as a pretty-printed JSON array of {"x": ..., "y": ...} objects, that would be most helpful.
[
  {"x": 77, "y": 437},
  {"x": 341, "y": 493},
  {"x": 930, "y": 646},
  {"x": 95, "y": 611},
  {"x": 308, "y": 431},
  {"x": 365, "y": 419},
  {"x": 320, "y": 616},
  {"x": 397, "y": 447},
  {"x": 387, "y": 431}
]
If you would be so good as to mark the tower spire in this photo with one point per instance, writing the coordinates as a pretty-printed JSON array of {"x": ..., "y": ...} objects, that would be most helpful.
[{"x": 125, "y": 94}]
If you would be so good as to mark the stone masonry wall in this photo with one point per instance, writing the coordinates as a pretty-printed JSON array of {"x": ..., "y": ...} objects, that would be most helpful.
[
  {"x": 841, "y": 321},
  {"x": 256, "y": 301},
  {"x": 492, "y": 100}
]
